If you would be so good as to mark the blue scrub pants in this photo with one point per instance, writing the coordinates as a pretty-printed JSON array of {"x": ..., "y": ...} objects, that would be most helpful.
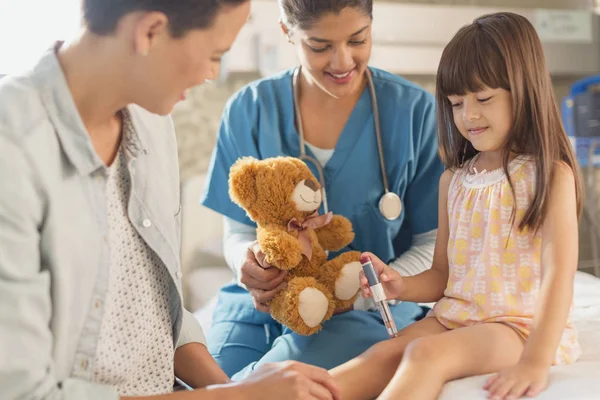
[{"x": 242, "y": 338}]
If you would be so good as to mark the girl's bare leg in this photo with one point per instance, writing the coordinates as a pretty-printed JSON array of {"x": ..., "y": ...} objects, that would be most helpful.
[
  {"x": 366, "y": 376},
  {"x": 429, "y": 362}
]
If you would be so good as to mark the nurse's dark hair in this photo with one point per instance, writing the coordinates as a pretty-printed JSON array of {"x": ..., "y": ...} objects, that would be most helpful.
[
  {"x": 303, "y": 13},
  {"x": 102, "y": 16},
  {"x": 503, "y": 50}
]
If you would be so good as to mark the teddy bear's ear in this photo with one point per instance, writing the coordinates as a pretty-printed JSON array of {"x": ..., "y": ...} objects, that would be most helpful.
[
  {"x": 242, "y": 181},
  {"x": 297, "y": 162}
]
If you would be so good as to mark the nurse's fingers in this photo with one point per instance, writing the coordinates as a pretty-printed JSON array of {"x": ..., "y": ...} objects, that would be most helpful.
[
  {"x": 264, "y": 296},
  {"x": 251, "y": 269},
  {"x": 254, "y": 276},
  {"x": 259, "y": 255},
  {"x": 271, "y": 285},
  {"x": 264, "y": 275}
]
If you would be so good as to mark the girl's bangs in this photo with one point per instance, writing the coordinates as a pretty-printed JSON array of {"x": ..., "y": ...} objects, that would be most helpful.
[{"x": 470, "y": 63}]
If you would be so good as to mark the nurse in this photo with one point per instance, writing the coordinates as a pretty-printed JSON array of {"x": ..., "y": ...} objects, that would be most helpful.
[{"x": 329, "y": 102}]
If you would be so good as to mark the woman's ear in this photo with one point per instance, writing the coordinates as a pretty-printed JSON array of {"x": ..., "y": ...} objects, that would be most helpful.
[
  {"x": 242, "y": 182},
  {"x": 149, "y": 28},
  {"x": 286, "y": 31}
]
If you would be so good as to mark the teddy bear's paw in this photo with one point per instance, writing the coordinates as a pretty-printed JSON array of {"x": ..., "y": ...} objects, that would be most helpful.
[
  {"x": 312, "y": 306},
  {"x": 303, "y": 306},
  {"x": 348, "y": 283},
  {"x": 282, "y": 253}
]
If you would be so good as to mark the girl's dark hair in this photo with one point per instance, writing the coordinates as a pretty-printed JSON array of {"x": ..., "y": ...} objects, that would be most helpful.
[
  {"x": 503, "y": 50},
  {"x": 303, "y": 13},
  {"x": 102, "y": 16}
]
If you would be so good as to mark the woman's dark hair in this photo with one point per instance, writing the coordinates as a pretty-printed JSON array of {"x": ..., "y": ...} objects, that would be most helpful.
[
  {"x": 303, "y": 13},
  {"x": 102, "y": 16}
]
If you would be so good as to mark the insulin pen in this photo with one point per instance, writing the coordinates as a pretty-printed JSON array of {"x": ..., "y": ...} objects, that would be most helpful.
[{"x": 379, "y": 297}]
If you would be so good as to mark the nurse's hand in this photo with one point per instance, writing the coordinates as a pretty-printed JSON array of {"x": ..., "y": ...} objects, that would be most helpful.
[
  {"x": 290, "y": 380},
  {"x": 262, "y": 281}
]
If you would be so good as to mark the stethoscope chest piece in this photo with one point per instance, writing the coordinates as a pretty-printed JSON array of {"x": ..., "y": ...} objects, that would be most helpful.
[{"x": 390, "y": 206}]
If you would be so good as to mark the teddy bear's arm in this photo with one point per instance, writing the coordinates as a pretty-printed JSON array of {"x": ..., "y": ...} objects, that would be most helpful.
[
  {"x": 336, "y": 235},
  {"x": 281, "y": 249}
]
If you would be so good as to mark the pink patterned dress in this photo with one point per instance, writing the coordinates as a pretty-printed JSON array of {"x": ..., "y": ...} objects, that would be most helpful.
[{"x": 495, "y": 271}]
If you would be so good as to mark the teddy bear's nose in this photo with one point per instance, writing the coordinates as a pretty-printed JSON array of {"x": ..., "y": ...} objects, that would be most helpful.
[{"x": 312, "y": 185}]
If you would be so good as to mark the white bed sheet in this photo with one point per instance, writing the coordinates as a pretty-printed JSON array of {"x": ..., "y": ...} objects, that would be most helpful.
[{"x": 578, "y": 381}]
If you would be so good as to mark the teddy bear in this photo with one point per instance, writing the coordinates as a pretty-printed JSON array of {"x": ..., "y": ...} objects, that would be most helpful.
[{"x": 282, "y": 196}]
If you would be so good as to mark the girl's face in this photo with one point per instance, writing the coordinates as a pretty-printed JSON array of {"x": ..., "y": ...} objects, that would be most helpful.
[
  {"x": 336, "y": 50},
  {"x": 484, "y": 118}
]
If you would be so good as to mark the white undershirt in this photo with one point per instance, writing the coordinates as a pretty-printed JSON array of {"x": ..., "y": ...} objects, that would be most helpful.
[{"x": 322, "y": 155}]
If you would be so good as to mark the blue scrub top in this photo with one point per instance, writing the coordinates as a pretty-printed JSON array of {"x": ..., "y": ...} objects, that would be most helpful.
[{"x": 258, "y": 121}]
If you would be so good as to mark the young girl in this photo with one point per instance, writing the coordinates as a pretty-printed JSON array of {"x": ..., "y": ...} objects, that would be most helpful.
[{"x": 506, "y": 250}]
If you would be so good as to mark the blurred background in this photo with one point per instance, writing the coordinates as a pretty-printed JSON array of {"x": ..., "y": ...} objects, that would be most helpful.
[{"x": 408, "y": 36}]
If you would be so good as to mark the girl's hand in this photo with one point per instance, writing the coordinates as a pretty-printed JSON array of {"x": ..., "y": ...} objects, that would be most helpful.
[
  {"x": 391, "y": 279},
  {"x": 523, "y": 379}
]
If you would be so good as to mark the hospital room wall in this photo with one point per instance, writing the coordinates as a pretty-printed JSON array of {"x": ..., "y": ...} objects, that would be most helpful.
[{"x": 197, "y": 119}]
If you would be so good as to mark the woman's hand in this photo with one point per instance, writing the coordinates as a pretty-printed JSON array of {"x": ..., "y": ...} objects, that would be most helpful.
[
  {"x": 262, "y": 281},
  {"x": 523, "y": 379},
  {"x": 290, "y": 380},
  {"x": 391, "y": 279}
]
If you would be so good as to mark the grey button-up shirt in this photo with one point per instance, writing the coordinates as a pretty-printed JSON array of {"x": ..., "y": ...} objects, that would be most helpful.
[{"x": 54, "y": 254}]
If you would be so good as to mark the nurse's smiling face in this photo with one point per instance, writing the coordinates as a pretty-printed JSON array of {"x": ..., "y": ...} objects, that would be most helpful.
[{"x": 335, "y": 49}]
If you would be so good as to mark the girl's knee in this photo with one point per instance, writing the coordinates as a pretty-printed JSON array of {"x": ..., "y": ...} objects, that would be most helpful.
[
  {"x": 387, "y": 351},
  {"x": 422, "y": 350}
]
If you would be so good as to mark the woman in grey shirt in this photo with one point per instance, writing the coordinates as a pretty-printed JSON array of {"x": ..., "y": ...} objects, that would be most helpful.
[{"x": 90, "y": 279}]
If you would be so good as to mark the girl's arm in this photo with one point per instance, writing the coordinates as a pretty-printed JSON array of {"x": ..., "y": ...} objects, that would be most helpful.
[
  {"x": 429, "y": 285},
  {"x": 559, "y": 263}
]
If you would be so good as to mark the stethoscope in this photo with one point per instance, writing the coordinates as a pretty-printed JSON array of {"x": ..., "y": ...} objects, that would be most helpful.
[{"x": 390, "y": 205}]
